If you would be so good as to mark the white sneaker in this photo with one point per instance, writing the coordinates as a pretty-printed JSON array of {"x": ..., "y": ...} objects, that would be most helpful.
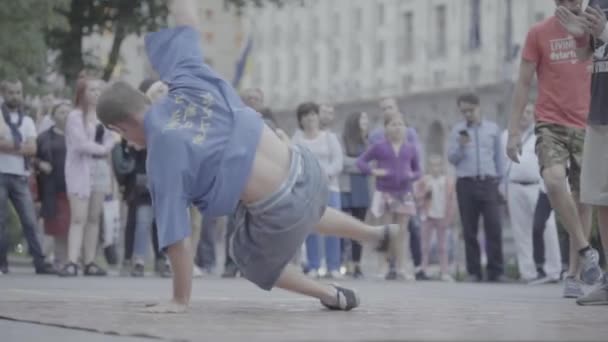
[
  {"x": 196, "y": 272},
  {"x": 334, "y": 275},
  {"x": 314, "y": 274},
  {"x": 446, "y": 278},
  {"x": 544, "y": 280}
]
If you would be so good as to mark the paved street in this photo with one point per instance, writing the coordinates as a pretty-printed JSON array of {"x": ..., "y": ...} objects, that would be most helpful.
[{"x": 234, "y": 310}]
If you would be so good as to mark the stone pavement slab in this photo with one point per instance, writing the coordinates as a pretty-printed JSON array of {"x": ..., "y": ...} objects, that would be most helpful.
[
  {"x": 19, "y": 332},
  {"x": 236, "y": 310}
]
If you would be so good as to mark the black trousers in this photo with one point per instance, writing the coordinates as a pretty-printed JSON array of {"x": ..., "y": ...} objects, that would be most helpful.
[
  {"x": 130, "y": 234},
  {"x": 356, "y": 248},
  {"x": 414, "y": 227},
  {"x": 479, "y": 197},
  {"x": 542, "y": 212}
]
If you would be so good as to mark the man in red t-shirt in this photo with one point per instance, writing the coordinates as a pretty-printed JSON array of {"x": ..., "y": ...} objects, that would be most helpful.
[{"x": 561, "y": 114}]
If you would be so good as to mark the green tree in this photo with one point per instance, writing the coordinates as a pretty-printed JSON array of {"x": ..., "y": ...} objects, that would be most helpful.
[
  {"x": 23, "y": 51},
  {"x": 88, "y": 17},
  {"x": 118, "y": 17}
]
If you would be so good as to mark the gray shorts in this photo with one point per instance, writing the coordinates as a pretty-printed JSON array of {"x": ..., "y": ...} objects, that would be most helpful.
[
  {"x": 594, "y": 174},
  {"x": 269, "y": 233}
]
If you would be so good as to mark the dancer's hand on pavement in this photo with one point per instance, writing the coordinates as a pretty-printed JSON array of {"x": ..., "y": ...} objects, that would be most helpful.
[
  {"x": 595, "y": 21},
  {"x": 573, "y": 23},
  {"x": 514, "y": 146},
  {"x": 170, "y": 307}
]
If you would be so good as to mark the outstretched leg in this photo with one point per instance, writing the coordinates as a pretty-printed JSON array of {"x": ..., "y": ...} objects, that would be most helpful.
[
  {"x": 388, "y": 237},
  {"x": 335, "y": 222}
]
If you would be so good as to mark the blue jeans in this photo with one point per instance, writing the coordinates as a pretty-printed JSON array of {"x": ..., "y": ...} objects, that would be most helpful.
[
  {"x": 415, "y": 248},
  {"x": 332, "y": 243},
  {"x": 16, "y": 189},
  {"x": 144, "y": 218}
]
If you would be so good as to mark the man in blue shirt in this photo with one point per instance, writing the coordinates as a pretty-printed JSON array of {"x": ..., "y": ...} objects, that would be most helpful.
[
  {"x": 206, "y": 148},
  {"x": 474, "y": 148}
]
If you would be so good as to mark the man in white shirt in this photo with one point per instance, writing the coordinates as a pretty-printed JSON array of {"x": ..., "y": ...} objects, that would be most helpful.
[
  {"x": 14, "y": 175},
  {"x": 523, "y": 184}
]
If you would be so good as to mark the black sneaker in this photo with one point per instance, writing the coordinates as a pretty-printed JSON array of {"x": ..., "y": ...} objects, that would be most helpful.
[
  {"x": 472, "y": 278},
  {"x": 69, "y": 270},
  {"x": 45, "y": 268},
  {"x": 94, "y": 270},
  {"x": 230, "y": 271},
  {"x": 138, "y": 270},
  {"x": 163, "y": 269},
  {"x": 4, "y": 269},
  {"x": 346, "y": 300},
  {"x": 421, "y": 276},
  {"x": 394, "y": 275},
  {"x": 357, "y": 274},
  {"x": 501, "y": 279}
]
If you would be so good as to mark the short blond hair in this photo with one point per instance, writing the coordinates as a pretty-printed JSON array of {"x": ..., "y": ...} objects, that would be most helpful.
[{"x": 118, "y": 102}]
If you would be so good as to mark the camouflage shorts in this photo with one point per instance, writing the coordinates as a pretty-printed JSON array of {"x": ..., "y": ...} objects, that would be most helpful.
[{"x": 561, "y": 145}]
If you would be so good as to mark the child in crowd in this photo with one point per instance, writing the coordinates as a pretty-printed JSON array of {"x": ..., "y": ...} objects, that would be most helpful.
[
  {"x": 436, "y": 196},
  {"x": 397, "y": 168}
]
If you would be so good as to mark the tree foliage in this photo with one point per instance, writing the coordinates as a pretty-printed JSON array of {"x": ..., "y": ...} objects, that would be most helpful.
[
  {"x": 115, "y": 18},
  {"x": 23, "y": 51},
  {"x": 29, "y": 29}
]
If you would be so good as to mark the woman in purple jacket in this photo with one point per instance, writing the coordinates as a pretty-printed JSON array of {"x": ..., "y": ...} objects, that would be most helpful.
[{"x": 397, "y": 168}]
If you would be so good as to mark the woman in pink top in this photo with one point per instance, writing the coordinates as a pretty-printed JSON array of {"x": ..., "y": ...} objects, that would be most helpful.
[
  {"x": 87, "y": 175},
  {"x": 436, "y": 195}
]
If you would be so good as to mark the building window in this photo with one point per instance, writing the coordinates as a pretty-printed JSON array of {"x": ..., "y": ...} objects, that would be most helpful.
[
  {"x": 407, "y": 39},
  {"x": 336, "y": 23},
  {"x": 335, "y": 61},
  {"x": 440, "y": 40},
  {"x": 358, "y": 19},
  {"x": 295, "y": 33},
  {"x": 475, "y": 29},
  {"x": 406, "y": 82},
  {"x": 380, "y": 15},
  {"x": 356, "y": 57},
  {"x": 276, "y": 36},
  {"x": 379, "y": 61},
  {"x": 276, "y": 74},
  {"x": 438, "y": 78},
  {"x": 315, "y": 27},
  {"x": 314, "y": 68},
  {"x": 295, "y": 68},
  {"x": 379, "y": 87},
  {"x": 474, "y": 74}
]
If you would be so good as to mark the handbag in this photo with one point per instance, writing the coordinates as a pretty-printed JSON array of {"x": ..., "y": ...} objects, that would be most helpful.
[{"x": 111, "y": 221}]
